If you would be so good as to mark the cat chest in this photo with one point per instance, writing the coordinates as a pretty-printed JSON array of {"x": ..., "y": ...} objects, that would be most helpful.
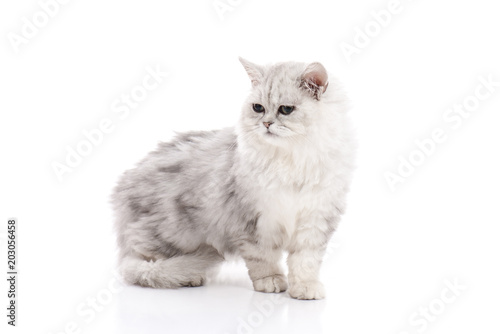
[{"x": 282, "y": 211}]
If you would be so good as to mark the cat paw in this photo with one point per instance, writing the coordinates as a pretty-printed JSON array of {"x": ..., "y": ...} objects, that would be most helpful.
[
  {"x": 307, "y": 290},
  {"x": 274, "y": 283},
  {"x": 194, "y": 282}
]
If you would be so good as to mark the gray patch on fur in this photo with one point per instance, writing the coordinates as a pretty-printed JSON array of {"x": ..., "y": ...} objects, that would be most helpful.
[
  {"x": 167, "y": 249},
  {"x": 251, "y": 226},
  {"x": 141, "y": 206},
  {"x": 186, "y": 212},
  {"x": 171, "y": 169},
  {"x": 254, "y": 259}
]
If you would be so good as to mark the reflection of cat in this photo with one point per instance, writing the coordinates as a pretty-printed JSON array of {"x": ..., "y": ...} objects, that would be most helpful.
[{"x": 276, "y": 182}]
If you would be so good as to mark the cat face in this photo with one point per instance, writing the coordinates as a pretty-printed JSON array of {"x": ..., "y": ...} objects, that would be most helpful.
[{"x": 283, "y": 104}]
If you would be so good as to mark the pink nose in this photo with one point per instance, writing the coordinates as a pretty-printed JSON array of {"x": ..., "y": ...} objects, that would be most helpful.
[{"x": 267, "y": 124}]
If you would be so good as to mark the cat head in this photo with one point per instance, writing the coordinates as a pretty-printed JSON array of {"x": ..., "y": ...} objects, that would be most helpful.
[{"x": 285, "y": 101}]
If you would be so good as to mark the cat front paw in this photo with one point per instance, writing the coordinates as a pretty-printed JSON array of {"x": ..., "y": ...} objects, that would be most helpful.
[
  {"x": 307, "y": 290},
  {"x": 274, "y": 283}
]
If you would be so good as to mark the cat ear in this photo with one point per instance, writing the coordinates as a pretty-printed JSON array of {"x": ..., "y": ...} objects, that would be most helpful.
[
  {"x": 315, "y": 80},
  {"x": 254, "y": 71}
]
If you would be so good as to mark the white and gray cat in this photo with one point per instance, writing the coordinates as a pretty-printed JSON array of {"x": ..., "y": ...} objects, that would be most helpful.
[{"x": 276, "y": 182}]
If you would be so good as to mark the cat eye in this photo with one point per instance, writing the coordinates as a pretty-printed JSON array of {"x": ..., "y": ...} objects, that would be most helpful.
[
  {"x": 258, "y": 107},
  {"x": 286, "y": 110}
]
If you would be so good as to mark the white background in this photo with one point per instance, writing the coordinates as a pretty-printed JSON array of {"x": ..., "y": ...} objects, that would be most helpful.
[{"x": 395, "y": 250}]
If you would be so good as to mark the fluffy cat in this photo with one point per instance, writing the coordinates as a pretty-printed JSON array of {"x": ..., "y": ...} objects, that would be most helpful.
[{"x": 276, "y": 182}]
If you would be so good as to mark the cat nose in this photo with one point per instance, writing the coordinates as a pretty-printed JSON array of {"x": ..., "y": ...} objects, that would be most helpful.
[{"x": 267, "y": 124}]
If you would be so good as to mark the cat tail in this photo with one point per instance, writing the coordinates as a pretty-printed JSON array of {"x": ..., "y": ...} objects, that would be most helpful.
[{"x": 169, "y": 273}]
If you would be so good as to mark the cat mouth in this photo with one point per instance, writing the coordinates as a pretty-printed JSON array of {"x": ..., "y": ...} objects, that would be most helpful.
[{"x": 270, "y": 134}]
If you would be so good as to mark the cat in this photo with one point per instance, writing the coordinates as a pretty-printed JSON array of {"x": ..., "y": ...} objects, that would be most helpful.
[{"x": 275, "y": 182}]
